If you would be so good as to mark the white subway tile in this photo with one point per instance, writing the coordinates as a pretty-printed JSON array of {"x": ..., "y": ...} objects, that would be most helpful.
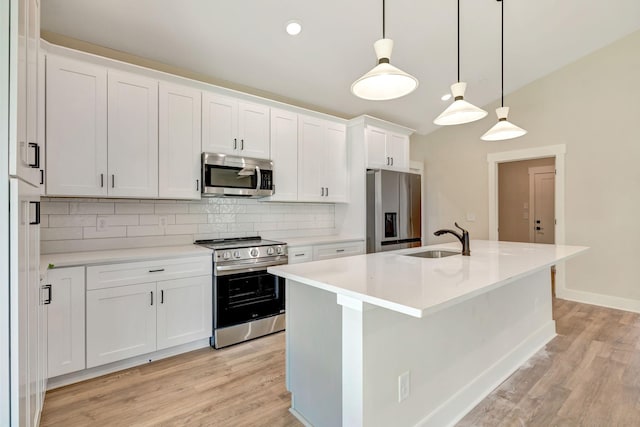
[
  {"x": 67, "y": 233},
  {"x": 248, "y": 218},
  {"x": 93, "y": 233},
  {"x": 144, "y": 230},
  {"x": 234, "y": 234},
  {"x": 181, "y": 229},
  {"x": 266, "y": 226},
  {"x": 203, "y": 208},
  {"x": 263, "y": 208},
  {"x": 241, "y": 227},
  {"x": 56, "y": 208},
  {"x": 221, "y": 218},
  {"x": 114, "y": 220},
  {"x": 91, "y": 208},
  {"x": 178, "y": 208},
  {"x": 44, "y": 221},
  {"x": 72, "y": 221},
  {"x": 206, "y": 236},
  {"x": 155, "y": 219},
  {"x": 212, "y": 228},
  {"x": 225, "y": 209},
  {"x": 134, "y": 208},
  {"x": 191, "y": 219}
]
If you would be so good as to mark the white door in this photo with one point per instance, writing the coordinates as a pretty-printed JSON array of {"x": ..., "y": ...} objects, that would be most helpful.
[
  {"x": 132, "y": 135},
  {"x": 335, "y": 171},
  {"x": 219, "y": 124},
  {"x": 121, "y": 323},
  {"x": 398, "y": 151},
  {"x": 76, "y": 126},
  {"x": 66, "y": 342},
  {"x": 179, "y": 142},
  {"x": 184, "y": 311},
  {"x": 376, "y": 148},
  {"x": 284, "y": 154},
  {"x": 311, "y": 159},
  {"x": 542, "y": 201},
  {"x": 253, "y": 130}
]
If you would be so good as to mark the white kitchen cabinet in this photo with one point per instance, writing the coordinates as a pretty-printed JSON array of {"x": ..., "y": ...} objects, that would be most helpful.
[
  {"x": 234, "y": 127},
  {"x": 337, "y": 250},
  {"x": 184, "y": 311},
  {"x": 284, "y": 154},
  {"x": 386, "y": 149},
  {"x": 300, "y": 254},
  {"x": 121, "y": 323},
  {"x": 76, "y": 127},
  {"x": 179, "y": 142},
  {"x": 66, "y": 321},
  {"x": 139, "y": 307},
  {"x": 132, "y": 135},
  {"x": 322, "y": 160},
  {"x": 42, "y": 140}
]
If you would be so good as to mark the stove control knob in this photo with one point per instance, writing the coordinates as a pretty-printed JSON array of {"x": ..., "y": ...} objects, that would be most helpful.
[
  {"x": 254, "y": 252},
  {"x": 279, "y": 249},
  {"x": 236, "y": 254},
  {"x": 269, "y": 251},
  {"x": 226, "y": 255}
]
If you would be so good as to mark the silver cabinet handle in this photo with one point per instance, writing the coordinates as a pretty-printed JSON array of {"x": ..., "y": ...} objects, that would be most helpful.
[
  {"x": 339, "y": 250},
  {"x": 235, "y": 143},
  {"x": 300, "y": 254}
]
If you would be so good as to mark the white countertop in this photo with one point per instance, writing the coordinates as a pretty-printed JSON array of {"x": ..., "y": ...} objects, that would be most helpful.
[
  {"x": 319, "y": 240},
  {"x": 419, "y": 286},
  {"x": 120, "y": 255}
]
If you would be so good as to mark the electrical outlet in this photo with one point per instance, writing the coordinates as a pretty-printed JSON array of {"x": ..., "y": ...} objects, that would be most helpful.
[
  {"x": 404, "y": 386},
  {"x": 102, "y": 224},
  {"x": 162, "y": 221}
]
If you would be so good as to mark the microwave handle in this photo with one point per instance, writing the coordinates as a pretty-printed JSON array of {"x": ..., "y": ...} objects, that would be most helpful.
[{"x": 259, "y": 178}]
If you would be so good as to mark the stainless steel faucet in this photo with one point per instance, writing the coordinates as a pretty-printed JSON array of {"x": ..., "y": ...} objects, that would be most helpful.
[{"x": 464, "y": 237}]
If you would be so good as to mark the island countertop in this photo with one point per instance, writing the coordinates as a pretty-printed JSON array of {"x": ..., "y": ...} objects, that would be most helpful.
[{"x": 420, "y": 286}]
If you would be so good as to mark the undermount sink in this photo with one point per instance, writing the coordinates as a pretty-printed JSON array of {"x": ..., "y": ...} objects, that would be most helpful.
[{"x": 434, "y": 253}]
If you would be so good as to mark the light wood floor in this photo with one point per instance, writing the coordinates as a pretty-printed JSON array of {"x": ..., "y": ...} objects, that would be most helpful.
[{"x": 589, "y": 375}]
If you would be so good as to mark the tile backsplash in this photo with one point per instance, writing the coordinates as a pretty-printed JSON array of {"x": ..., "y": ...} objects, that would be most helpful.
[{"x": 70, "y": 224}]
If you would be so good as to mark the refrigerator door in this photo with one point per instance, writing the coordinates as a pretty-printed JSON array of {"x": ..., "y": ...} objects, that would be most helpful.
[
  {"x": 389, "y": 217},
  {"x": 415, "y": 193}
]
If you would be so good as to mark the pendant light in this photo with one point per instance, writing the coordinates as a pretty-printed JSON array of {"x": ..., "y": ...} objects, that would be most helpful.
[
  {"x": 384, "y": 81},
  {"x": 504, "y": 129},
  {"x": 460, "y": 111}
]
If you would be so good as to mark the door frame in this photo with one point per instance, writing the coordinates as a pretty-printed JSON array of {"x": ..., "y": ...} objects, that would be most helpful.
[
  {"x": 532, "y": 188},
  {"x": 556, "y": 151}
]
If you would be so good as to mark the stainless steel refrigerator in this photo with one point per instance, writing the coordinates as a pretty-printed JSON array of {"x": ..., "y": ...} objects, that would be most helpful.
[{"x": 394, "y": 210}]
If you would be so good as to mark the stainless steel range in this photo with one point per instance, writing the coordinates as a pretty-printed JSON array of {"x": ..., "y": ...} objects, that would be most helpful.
[{"x": 248, "y": 302}]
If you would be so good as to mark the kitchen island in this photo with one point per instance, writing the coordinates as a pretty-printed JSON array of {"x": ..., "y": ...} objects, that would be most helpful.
[{"x": 390, "y": 339}]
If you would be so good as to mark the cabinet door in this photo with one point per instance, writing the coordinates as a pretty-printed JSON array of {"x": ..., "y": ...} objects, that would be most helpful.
[
  {"x": 133, "y": 135},
  {"x": 253, "y": 130},
  {"x": 184, "y": 310},
  {"x": 42, "y": 64},
  {"x": 76, "y": 127},
  {"x": 121, "y": 323},
  {"x": 284, "y": 154},
  {"x": 179, "y": 142},
  {"x": 335, "y": 173},
  {"x": 219, "y": 124},
  {"x": 398, "y": 151},
  {"x": 66, "y": 344},
  {"x": 30, "y": 156},
  {"x": 376, "y": 142},
  {"x": 311, "y": 159}
]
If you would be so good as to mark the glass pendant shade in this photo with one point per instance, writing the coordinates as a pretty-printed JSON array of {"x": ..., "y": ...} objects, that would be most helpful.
[
  {"x": 503, "y": 129},
  {"x": 384, "y": 81},
  {"x": 460, "y": 111}
]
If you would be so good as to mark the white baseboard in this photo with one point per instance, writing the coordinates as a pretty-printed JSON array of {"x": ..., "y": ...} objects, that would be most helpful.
[
  {"x": 454, "y": 409},
  {"x": 300, "y": 418},
  {"x": 98, "y": 371},
  {"x": 602, "y": 300}
]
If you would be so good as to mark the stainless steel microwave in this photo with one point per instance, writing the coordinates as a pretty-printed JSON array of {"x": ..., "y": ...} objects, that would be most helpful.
[{"x": 229, "y": 176}]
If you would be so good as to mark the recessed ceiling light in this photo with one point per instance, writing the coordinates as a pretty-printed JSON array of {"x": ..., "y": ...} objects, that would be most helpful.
[
  {"x": 446, "y": 97},
  {"x": 294, "y": 28}
]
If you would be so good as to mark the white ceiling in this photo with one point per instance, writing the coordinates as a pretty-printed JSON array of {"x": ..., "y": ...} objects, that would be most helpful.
[{"x": 243, "y": 41}]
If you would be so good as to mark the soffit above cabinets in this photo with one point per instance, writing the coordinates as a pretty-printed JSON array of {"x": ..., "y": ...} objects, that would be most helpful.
[{"x": 244, "y": 42}]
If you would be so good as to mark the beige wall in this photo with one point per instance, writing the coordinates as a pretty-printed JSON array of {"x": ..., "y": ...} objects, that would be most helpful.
[
  {"x": 513, "y": 194},
  {"x": 592, "y": 106}
]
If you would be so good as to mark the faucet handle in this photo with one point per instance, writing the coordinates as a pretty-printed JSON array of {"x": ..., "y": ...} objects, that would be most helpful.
[{"x": 461, "y": 229}]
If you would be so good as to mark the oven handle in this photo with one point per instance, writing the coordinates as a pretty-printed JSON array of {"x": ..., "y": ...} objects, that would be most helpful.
[{"x": 225, "y": 270}]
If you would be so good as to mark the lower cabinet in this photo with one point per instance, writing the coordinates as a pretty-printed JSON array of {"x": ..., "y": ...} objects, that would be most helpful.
[
  {"x": 300, "y": 254},
  {"x": 134, "y": 318},
  {"x": 65, "y": 323}
]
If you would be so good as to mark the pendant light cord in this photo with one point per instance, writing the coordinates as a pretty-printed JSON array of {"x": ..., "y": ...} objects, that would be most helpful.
[
  {"x": 383, "y": 18},
  {"x": 501, "y": 52},
  {"x": 458, "y": 41}
]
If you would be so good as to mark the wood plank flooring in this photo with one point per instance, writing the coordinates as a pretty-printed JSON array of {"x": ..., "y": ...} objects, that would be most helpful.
[{"x": 589, "y": 375}]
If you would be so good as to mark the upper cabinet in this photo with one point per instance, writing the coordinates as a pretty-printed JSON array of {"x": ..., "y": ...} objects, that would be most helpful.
[
  {"x": 234, "y": 127},
  {"x": 322, "y": 160},
  {"x": 284, "y": 154},
  {"x": 386, "y": 149},
  {"x": 179, "y": 142},
  {"x": 132, "y": 135}
]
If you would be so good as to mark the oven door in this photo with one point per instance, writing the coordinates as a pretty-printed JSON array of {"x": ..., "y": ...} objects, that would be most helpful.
[{"x": 243, "y": 297}]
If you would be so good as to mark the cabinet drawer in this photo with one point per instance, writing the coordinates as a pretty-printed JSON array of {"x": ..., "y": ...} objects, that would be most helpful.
[
  {"x": 337, "y": 250},
  {"x": 127, "y": 273},
  {"x": 300, "y": 254}
]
